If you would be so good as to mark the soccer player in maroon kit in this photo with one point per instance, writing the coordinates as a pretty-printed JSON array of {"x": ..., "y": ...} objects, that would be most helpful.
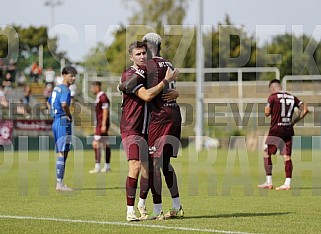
[
  {"x": 101, "y": 128},
  {"x": 280, "y": 107},
  {"x": 133, "y": 127},
  {"x": 164, "y": 128}
]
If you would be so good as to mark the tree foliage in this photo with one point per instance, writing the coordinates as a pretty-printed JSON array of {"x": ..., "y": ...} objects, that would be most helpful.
[
  {"x": 22, "y": 45},
  {"x": 225, "y": 45}
]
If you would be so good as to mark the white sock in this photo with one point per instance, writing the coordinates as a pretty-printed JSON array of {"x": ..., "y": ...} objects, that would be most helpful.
[
  {"x": 157, "y": 208},
  {"x": 287, "y": 181},
  {"x": 107, "y": 165},
  {"x": 130, "y": 209},
  {"x": 176, "y": 203},
  {"x": 97, "y": 166},
  {"x": 269, "y": 179},
  {"x": 141, "y": 202},
  {"x": 59, "y": 181}
]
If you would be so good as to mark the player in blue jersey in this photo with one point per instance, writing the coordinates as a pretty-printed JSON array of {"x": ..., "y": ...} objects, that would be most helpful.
[{"x": 59, "y": 103}]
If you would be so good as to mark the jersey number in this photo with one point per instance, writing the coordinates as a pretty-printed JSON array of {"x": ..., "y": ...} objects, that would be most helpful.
[
  {"x": 284, "y": 103},
  {"x": 53, "y": 98}
]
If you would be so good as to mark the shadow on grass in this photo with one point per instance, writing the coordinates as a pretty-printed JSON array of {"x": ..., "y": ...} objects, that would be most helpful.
[
  {"x": 97, "y": 189},
  {"x": 306, "y": 188},
  {"x": 237, "y": 215}
]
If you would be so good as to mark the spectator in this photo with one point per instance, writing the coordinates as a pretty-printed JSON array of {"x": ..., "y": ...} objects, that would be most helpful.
[
  {"x": 21, "y": 81},
  {"x": 12, "y": 70},
  {"x": 50, "y": 76},
  {"x": 36, "y": 72},
  {"x": 23, "y": 109},
  {"x": 3, "y": 100},
  {"x": 47, "y": 91},
  {"x": 7, "y": 83},
  {"x": 73, "y": 91},
  {"x": 26, "y": 94}
]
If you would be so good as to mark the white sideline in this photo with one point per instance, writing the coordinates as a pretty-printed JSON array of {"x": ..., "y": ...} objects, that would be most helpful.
[{"x": 120, "y": 224}]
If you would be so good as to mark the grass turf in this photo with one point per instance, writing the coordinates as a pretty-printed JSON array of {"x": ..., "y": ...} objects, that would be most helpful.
[{"x": 217, "y": 187}]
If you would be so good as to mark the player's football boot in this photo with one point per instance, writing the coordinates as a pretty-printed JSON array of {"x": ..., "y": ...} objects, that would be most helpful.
[
  {"x": 143, "y": 212},
  {"x": 265, "y": 186},
  {"x": 174, "y": 213},
  {"x": 283, "y": 187},
  {"x": 131, "y": 216},
  {"x": 156, "y": 216},
  {"x": 62, "y": 187},
  {"x": 94, "y": 171},
  {"x": 105, "y": 170}
]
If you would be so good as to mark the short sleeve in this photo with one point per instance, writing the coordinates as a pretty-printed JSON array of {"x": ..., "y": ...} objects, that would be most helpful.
[
  {"x": 65, "y": 96},
  {"x": 297, "y": 102}
]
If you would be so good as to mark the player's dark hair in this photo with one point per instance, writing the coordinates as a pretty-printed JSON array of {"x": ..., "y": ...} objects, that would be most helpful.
[
  {"x": 69, "y": 70},
  {"x": 135, "y": 45},
  {"x": 274, "y": 81},
  {"x": 97, "y": 83}
]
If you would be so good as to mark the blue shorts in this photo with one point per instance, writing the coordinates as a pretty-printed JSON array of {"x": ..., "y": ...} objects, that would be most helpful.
[{"x": 61, "y": 129}]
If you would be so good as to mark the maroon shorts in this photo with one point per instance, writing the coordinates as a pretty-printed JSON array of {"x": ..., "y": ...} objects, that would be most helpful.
[
  {"x": 164, "y": 139},
  {"x": 284, "y": 144},
  {"x": 135, "y": 146}
]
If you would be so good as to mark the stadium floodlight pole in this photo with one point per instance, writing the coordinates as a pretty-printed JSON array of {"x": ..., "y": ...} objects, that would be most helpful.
[
  {"x": 199, "y": 128},
  {"x": 52, "y": 4}
]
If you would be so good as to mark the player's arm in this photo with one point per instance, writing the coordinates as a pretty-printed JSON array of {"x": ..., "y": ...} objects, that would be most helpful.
[
  {"x": 48, "y": 105},
  {"x": 66, "y": 109},
  {"x": 172, "y": 95},
  {"x": 148, "y": 94},
  {"x": 303, "y": 111},
  {"x": 130, "y": 84},
  {"x": 267, "y": 110},
  {"x": 104, "y": 120}
]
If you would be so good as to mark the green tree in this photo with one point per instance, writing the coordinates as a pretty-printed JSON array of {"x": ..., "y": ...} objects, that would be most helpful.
[
  {"x": 114, "y": 57},
  {"x": 293, "y": 55},
  {"x": 25, "y": 49}
]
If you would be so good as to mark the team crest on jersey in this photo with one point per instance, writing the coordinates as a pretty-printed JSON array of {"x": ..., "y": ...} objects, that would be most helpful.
[{"x": 152, "y": 149}]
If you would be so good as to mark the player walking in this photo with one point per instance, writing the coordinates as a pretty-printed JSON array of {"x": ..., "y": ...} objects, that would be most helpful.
[{"x": 280, "y": 107}]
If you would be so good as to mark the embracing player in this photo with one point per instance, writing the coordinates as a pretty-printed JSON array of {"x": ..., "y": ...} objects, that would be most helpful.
[
  {"x": 134, "y": 125},
  {"x": 164, "y": 128}
]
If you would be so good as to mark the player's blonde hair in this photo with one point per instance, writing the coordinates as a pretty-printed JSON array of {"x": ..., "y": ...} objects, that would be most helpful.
[{"x": 153, "y": 37}]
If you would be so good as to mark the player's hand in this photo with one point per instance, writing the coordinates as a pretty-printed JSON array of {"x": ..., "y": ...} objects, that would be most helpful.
[
  {"x": 171, "y": 75},
  {"x": 170, "y": 96},
  {"x": 95, "y": 144},
  {"x": 118, "y": 89},
  {"x": 69, "y": 117},
  {"x": 103, "y": 129}
]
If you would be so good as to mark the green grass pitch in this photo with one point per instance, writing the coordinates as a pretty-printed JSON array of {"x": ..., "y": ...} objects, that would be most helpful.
[{"x": 218, "y": 192}]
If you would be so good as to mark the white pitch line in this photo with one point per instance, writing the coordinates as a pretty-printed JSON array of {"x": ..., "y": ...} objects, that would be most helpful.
[{"x": 120, "y": 224}]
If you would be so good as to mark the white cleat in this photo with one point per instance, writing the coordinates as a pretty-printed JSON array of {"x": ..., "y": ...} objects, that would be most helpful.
[
  {"x": 94, "y": 171},
  {"x": 265, "y": 186},
  {"x": 131, "y": 216},
  {"x": 63, "y": 188},
  {"x": 143, "y": 212},
  {"x": 105, "y": 170},
  {"x": 283, "y": 187}
]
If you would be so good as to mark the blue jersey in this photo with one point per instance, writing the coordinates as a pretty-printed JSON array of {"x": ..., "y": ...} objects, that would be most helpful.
[{"x": 60, "y": 94}]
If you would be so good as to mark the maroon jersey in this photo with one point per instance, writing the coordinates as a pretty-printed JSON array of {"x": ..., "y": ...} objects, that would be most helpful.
[
  {"x": 282, "y": 105},
  {"x": 102, "y": 103},
  {"x": 134, "y": 117},
  {"x": 162, "y": 112}
]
